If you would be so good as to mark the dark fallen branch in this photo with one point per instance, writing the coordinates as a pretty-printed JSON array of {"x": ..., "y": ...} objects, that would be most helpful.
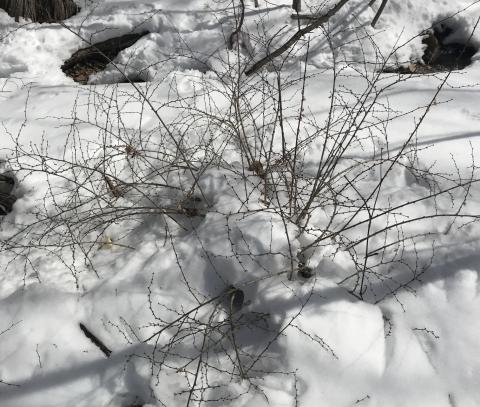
[
  {"x": 96, "y": 57},
  {"x": 97, "y": 342},
  {"x": 297, "y": 16},
  {"x": 379, "y": 12},
  {"x": 294, "y": 38}
]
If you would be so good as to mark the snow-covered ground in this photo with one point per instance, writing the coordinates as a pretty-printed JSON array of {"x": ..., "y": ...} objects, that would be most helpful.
[{"x": 148, "y": 268}]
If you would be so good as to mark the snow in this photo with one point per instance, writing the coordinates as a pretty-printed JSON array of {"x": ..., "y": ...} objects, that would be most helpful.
[{"x": 153, "y": 287}]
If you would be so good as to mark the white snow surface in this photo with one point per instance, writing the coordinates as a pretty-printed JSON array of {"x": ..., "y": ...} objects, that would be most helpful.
[{"x": 319, "y": 344}]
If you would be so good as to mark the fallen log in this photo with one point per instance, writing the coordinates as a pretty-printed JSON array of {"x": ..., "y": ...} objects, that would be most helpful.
[{"x": 90, "y": 60}]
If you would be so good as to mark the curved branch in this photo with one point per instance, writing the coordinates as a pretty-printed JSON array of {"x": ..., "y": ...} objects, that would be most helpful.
[{"x": 294, "y": 38}]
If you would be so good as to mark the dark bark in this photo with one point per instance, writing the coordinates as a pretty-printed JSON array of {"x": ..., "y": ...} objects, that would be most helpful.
[
  {"x": 97, "y": 342},
  {"x": 297, "y": 5},
  {"x": 7, "y": 183},
  {"x": 379, "y": 12},
  {"x": 41, "y": 11},
  {"x": 235, "y": 36},
  {"x": 95, "y": 58}
]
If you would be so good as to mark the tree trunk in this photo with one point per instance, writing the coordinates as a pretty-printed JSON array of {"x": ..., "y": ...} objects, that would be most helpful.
[{"x": 41, "y": 11}]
